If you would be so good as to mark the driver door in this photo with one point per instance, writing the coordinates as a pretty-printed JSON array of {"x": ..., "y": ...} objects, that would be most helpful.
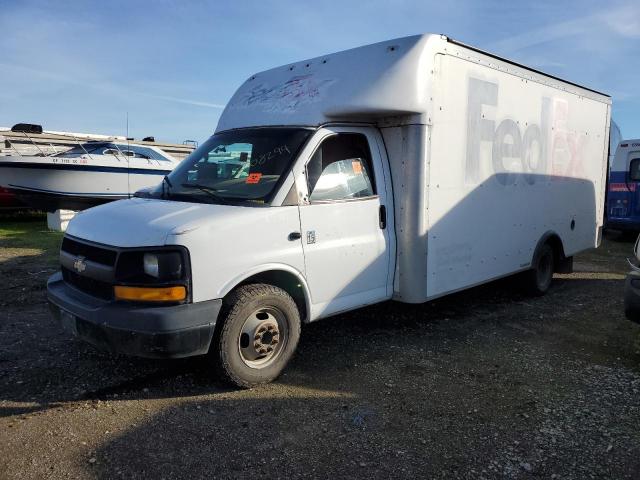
[{"x": 345, "y": 233}]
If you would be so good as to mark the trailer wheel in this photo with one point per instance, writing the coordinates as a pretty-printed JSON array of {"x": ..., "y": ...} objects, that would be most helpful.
[
  {"x": 258, "y": 334},
  {"x": 538, "y": 279}
]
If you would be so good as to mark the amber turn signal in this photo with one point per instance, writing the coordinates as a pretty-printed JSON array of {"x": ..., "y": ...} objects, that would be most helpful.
[{"x": 150, "y": 294}]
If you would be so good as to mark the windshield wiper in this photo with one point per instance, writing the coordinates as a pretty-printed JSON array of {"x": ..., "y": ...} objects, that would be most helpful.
[{"x": 212, "y": 192}]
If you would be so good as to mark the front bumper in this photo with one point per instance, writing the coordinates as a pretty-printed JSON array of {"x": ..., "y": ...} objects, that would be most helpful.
[
  {"x": 141, "y": 330},
  {"x": 632, "y": 296}
]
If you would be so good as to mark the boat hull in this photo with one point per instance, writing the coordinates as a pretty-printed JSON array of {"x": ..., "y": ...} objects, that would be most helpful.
[
  {"x": 52, "y": 201},
  {"x": 50, "y": 186}
]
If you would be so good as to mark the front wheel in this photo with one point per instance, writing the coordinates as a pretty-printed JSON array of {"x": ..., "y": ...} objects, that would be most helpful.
[{"x": 258, "y": 335}]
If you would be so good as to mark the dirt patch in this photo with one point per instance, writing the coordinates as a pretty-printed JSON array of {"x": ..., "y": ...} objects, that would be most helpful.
[{"x": 486, "y": 383}]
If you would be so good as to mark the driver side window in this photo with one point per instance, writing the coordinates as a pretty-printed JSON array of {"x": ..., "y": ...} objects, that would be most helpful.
[{"x": 341, "y": 169}]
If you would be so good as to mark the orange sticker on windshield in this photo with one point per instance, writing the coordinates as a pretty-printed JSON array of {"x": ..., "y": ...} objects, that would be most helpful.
[
  {"x": 254, "y": 177},
  {"x": 357, "y": 166}
]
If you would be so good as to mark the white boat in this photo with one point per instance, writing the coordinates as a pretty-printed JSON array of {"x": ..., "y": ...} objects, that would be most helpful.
[{"x": 88, "y": 174}]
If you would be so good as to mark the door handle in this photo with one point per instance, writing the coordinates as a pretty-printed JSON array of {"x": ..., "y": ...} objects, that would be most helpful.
[
  {"x": 383, "y": 217},
  {"x": 295, "y": 236}
]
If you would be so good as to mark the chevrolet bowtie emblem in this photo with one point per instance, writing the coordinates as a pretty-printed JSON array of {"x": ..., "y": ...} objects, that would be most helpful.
[{"x": 80, "y": 265}]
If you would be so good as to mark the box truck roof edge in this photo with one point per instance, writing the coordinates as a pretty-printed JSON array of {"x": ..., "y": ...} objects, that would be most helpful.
[{"x": 363, "y": 84}]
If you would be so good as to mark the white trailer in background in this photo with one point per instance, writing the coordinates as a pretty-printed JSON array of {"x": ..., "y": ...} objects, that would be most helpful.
[
  {"x": 623, "y": 199},
  {"x": 404, "y": 170}
]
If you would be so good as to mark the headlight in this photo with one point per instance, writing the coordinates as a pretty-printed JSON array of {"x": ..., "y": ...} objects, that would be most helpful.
[
  {"x": 150, "y": 261},
  {"x": 163, "y": 265}
]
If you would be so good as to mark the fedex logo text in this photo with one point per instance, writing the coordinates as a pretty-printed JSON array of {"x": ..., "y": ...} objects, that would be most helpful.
[
  {"x": 507, "y": 140},
  {"x": 524, "y": 151}
]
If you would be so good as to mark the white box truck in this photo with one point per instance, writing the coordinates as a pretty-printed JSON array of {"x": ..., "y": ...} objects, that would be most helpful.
[{"x": 405, "y": 170}]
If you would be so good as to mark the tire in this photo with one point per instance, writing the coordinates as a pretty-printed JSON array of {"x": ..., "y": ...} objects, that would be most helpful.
[
  {"x": 254, "y": 319},
  {"x": 538, "y": 279}
]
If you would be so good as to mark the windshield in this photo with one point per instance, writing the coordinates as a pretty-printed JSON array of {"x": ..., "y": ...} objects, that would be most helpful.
[
  {"x": 108, "y": 148},
  {"x": 91, "y": 147},
  {"x": 237, "y": 165}
]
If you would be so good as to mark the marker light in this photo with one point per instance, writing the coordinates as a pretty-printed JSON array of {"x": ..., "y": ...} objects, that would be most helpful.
[{"x": 150, "y": 294}]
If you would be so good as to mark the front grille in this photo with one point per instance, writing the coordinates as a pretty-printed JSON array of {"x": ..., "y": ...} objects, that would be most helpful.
[
  {"x": 94, "y": 269},
  {"x": 94, "y": 253},
  {"x": 88, "y": 285}
]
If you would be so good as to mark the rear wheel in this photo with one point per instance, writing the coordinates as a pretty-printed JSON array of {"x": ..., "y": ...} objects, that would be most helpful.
[
  {"x": 258, "y": 335},
  {"x": 538, "y": 279}
]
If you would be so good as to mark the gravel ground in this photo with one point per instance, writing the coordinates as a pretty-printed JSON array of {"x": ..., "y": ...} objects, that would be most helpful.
[{"x": 486, "y": 383}]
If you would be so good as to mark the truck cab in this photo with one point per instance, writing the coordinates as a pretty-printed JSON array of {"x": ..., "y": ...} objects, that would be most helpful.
[{"x": 305, "y": 214}]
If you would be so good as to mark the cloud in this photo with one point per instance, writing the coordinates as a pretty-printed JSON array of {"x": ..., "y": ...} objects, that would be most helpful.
[
  {"x": 623, "y": 96},
  {"x": 197, "y": 103},
  {"x": 622, "y": 21},
  {"x": 56, "y": 77},
  {"x": 110, "y": 87}
]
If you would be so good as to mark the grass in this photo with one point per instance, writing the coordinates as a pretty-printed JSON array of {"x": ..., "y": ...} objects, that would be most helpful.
[{"x": 28, "y": 234}]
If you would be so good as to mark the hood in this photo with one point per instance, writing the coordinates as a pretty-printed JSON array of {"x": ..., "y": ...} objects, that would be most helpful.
[{"x": 141, "y": 222}]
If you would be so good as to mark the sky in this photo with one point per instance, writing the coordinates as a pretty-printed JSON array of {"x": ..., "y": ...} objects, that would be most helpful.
[{"x": 171, "y": 65}]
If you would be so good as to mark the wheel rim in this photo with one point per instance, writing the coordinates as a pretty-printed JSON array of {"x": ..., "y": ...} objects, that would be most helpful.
[
  {"x": 263, "y": 337},
  {"x": 544, "y": 271}
]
